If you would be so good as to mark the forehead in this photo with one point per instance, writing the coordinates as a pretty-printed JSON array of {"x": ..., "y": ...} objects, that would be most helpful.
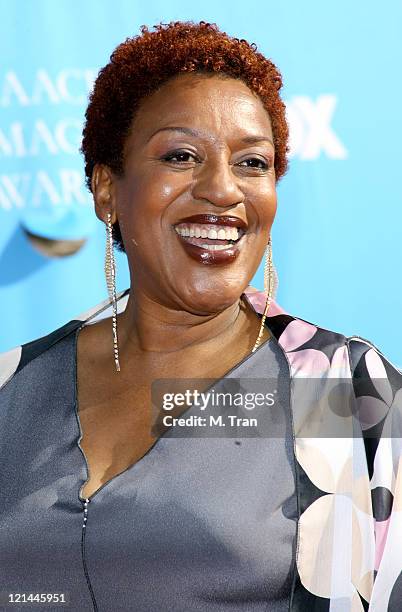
[{"x": 220, "y": 103}]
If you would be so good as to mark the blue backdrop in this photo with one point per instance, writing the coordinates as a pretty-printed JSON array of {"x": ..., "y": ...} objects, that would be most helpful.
[{"x": 336, "y": 238}]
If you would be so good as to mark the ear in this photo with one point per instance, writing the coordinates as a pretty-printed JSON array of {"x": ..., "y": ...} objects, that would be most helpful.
[{"x": 102, "y": 186}]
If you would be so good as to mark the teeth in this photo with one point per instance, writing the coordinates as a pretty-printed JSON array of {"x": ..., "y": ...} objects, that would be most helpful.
[
  {"x": 213, "y": 233},
  {"x": 214, "y": 247}
]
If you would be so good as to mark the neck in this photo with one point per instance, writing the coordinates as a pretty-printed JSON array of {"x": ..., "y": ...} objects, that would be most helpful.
[{"x": 148, "y": 326}]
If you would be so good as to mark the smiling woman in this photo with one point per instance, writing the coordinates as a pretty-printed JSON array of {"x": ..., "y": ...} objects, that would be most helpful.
[
  {"x": 223, "y": 170},
  {"x": 232, "y": 506}
]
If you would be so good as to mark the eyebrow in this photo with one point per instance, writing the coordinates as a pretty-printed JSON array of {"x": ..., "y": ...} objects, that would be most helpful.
[{"x": 252, "y": 139}]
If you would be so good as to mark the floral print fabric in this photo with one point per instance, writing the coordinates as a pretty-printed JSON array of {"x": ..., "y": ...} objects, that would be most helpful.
[{"x": 349, "y": 553}]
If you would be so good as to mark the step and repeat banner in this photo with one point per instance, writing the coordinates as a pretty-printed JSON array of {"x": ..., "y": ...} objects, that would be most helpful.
[{"x": 337, "y": 235}]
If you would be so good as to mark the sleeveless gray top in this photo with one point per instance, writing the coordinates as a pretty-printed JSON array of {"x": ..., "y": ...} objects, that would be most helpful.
[{"x": 198, "y": 523}]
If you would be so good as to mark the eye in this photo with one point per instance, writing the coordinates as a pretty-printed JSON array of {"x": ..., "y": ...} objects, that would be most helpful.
[
  {"x": 252, "y": 162},
  {"x": 179, "y": 157}
]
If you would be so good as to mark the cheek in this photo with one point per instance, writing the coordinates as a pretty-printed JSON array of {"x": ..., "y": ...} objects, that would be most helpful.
[
  {"x": 150, "y": 193},
  {"x": 142, "y": 203},
  {"x": 266, "y": 204}
]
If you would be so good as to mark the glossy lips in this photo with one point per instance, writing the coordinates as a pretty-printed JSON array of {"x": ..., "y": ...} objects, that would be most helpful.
[
  {"x": 203, "y": 255},
  {"x": 228, "y": 220}
]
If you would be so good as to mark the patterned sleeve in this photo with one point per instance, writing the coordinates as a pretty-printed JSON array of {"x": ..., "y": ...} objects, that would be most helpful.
[{"x": 378, "y": 390}]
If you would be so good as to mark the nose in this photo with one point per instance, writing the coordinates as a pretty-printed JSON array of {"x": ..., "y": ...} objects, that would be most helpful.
[{"x": 217, "y": 184}]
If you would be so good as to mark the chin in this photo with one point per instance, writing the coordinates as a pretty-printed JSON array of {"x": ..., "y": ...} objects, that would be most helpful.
[{"x": 213, "y": 299}]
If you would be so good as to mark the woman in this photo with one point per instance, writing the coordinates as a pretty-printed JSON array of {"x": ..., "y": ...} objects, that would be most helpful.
[{"x": 184, "y": 142}]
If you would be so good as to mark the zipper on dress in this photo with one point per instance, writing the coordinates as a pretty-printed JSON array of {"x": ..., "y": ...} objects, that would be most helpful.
[{"x": 84, "y": 525}]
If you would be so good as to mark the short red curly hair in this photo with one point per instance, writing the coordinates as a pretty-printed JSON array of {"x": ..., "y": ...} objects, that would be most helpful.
[{"x": 140, "y": 65}]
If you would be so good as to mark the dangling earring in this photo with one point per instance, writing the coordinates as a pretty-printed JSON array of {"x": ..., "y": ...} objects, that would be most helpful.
[
  {"x": 268, "y": 287},
  {"x": 110, "y": 272}
]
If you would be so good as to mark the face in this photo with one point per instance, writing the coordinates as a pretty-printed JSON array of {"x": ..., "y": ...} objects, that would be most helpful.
[{"x": 197, "y": 198}]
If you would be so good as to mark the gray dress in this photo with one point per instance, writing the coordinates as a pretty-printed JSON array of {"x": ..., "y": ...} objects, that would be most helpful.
[{"x": 198, "y": 524}]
